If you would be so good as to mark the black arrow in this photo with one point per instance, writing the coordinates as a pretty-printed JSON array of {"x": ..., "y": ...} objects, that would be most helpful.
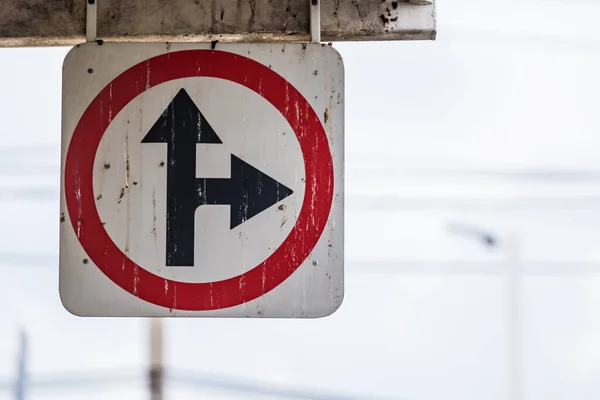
[{"x": 248, "y": 192}]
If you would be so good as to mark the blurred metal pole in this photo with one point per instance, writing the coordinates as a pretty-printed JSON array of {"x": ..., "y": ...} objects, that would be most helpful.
[
  {"x": 21, "y": 380},
  {"x": 514, "y": 320},
  {"x": 514, "y": 347},
  {"x": 156, "y": 369}
]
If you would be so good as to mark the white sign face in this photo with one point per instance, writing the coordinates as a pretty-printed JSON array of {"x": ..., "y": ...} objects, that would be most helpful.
[{"x": 202, "y": 182}]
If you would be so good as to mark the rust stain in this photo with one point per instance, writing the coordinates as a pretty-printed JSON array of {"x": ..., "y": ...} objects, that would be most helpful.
[
  {"x": 175, "y": 297},
  {"x": 136, "y": 279},
  {"x": 127, "y": 167},
  {"x": 127, "y": 180},
  {"x": 252, "y": 17},
  {"x": 326, "y": 115},
  {"x": 154, "y": 213},
  {"x": 361, "y": 13}
]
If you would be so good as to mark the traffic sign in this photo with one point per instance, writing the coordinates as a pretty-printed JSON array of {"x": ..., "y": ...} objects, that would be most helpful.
[{"x": 202, "y": 180}]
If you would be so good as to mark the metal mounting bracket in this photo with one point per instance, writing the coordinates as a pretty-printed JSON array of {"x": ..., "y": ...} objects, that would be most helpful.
[
  {"x": 91, "y": 20},
  {"x": 315, "y": 21}
]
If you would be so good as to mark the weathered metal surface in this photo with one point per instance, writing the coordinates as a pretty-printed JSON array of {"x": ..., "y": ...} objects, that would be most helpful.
[
  {"x": 200, "y": 182},
  {"x": 62, "y": 22}
]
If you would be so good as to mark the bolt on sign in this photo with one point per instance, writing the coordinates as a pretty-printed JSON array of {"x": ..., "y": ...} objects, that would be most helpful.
[{"x": 202, "y": 181}]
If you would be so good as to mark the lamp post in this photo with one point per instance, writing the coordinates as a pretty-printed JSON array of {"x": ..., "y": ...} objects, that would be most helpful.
[
  {"x": 513, "y": 302},
  {"x": 156, "y": 367}
]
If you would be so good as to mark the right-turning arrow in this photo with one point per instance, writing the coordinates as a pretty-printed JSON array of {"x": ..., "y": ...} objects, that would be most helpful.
[{"x": 248, "y": 191}]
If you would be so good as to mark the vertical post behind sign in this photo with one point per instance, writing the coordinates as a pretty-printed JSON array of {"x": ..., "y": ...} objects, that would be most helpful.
[
  {"x": 514, "y": 319},
  {"x": 21, "y": 379},
  {"x": 156, "y": 370}
]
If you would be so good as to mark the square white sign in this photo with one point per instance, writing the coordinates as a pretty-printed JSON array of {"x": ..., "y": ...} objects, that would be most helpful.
[{"x": 202, "y": 181}]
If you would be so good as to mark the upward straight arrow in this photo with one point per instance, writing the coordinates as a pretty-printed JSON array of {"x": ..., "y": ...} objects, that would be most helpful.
[{"x": 248, "y": 192}]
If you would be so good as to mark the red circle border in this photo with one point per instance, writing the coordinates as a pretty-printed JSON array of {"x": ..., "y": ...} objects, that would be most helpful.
[{"x": 281, "y": 264}]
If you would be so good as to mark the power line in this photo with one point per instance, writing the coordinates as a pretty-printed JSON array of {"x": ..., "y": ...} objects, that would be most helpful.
[
  {"x": 247, "y": 386},
  {"x": 565, "y": 175},
  {"x": 29, "y": 259},
  {"x": 474, "y": 268},
  {"x": 391, "y": 202},
  {"x": 77, "y": 380},
  {"x": 184, "y": 379}
]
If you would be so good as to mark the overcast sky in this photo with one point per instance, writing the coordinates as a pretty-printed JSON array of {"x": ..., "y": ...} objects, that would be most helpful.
[{"x": 493, "y": 126}]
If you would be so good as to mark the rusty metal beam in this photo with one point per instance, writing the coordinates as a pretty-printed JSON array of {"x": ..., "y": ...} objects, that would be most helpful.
[{"x": 62, "y": 22}]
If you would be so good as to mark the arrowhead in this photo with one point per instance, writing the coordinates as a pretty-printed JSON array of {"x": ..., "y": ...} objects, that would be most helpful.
[
  {"x": 182, "y": 117},
  {"x": 254, "y": 191}
]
